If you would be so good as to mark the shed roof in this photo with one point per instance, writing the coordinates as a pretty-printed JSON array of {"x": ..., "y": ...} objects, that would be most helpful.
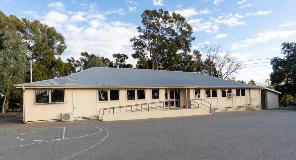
[{"x": 100, "y": 77}]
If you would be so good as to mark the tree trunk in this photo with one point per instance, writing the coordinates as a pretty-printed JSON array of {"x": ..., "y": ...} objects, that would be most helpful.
[{"x": 3, "y": 105}]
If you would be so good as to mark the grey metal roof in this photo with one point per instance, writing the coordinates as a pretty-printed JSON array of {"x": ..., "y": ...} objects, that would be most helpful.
[{"x": 128, "y": 77}]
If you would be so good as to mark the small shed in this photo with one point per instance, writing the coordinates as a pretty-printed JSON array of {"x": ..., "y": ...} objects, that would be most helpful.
[{"x": 270, "y": 98}]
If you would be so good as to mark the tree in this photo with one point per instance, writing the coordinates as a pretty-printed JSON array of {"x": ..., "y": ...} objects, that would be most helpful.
[
  {"x": 162, "y": 40},
  {"x": 120, "y": 61},
  {"x": 12, "y": 57},
  {"x": 283, "y": 77},
  {"x": 252, "y": 82},
  {"x": 220, "y": 64},
  {"x": 44, "y": 46},
  {"x": 89, "y": 60}
]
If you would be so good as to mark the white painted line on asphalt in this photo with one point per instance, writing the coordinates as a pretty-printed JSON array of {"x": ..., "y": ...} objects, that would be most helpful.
[
  {"x": 64, "y": 130},
  {"x": 100, "y": 141},
  {"x": 37, "y": 140}
]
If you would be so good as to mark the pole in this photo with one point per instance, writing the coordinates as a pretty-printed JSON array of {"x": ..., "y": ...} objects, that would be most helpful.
[{"x": 31, "y": 70}]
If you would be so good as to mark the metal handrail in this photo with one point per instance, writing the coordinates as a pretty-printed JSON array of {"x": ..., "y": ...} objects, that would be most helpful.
[
  {"x": 162, "y": 105},
  {"x": 202, "y": 102}
]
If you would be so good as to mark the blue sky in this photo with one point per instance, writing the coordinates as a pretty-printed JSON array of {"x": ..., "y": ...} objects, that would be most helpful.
[{"x": 251, "y": 30}]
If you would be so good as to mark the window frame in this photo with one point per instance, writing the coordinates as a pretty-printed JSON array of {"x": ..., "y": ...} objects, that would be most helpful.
[
  {"x": 100, "y": 97},
  {"x": 238, "y": 92},
  {"x": 127, "y": 95},
  {"x": 197, "y": 89},
  {"x": 208, "y": 93},
  {"x": 49, "y": 92},
  {"x": 216, "y": 92},
  {"x": 117, "y": 94},
  {"x": 226, "y": 92},
  {"x": 152, "y": 95},
  {"x": 138, "y": 94},
  {"x": 243, "y": 95}
]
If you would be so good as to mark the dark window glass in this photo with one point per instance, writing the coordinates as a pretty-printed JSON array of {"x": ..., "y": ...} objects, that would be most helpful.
[
  {"x": 197, "y": 93},
  {"x": 57, "y": 95},
  {"x": 238, "y": 92},
  {"x": 229, "y": 91},
  {"x": 243, "y": 92},
  {"x": 141, "y": 94},
  {"x": 214, "y": 92},
  {"x": 166, "y": 94},
  {"x": 155, "y": 93},
  {"x": 42, "y": 96},
  {"x": 114, "y": 95},
  {"x": 103, "y": 95},
  {"x": 172, "y": 94},
  {"x": 224, "y": 92},
  {"x": 208, "y": 93},
  {"x": 130, "y": 94}
]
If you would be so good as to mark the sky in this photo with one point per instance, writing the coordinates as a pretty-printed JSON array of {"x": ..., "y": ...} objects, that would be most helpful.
[{"x": 251, "y": 30}]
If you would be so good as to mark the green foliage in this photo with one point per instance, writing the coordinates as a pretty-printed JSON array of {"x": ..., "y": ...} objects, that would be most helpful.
[
  {"x": 163, "y": 40},
  {"x": 286, "y": 98},
  {"x": 87, "y": 61},
  {"x": 12, "y": 57},
  {"x": 283, "y": 77},
  {"x": 120, "y": 61},
  {"x": 252, "y": 82}
]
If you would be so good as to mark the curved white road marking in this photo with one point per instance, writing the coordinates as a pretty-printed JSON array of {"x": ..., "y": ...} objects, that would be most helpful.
[
  {"x": 100, "y": 141},
  {"x": 46, "y": 141}
]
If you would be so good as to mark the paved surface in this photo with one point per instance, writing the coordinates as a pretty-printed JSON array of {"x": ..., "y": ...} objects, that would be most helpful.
[{"x": 242, "y": 135}]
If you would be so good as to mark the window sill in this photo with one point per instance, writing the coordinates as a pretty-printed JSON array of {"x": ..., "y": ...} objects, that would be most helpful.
[{"x": 50, "y": 103}]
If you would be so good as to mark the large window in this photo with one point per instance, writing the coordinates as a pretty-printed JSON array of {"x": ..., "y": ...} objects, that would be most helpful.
[
  {"x": 155, "y": 93},
  {"x": 214, "y": 92},
  {"x": 211, "y": 92},
  {"x": 114, "y": 95},
  {"x": 57, "y": 95},
  {"x": 130, "y": 94},
  {"x": 208, "y": 93},
  {"x": 243, "y": 92},
  {"x": 103, "y": 95},
  {"x": 45, "y": 96},
  {"x": 197, "y": 93},
  {"x": 225, "y": 92},
  {"x": 42, "y": 96},
  {"x": 240, "y": 92},
  {"x": 141, "y": 94}
]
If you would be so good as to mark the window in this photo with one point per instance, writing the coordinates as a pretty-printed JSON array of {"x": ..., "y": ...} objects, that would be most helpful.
[
  {"x": 166, "y": 94},
  {"x": 172, "y": 94},
  {"x": 57, "y": 95},
  {"x": 45, "y": 96},
  {"x": 208, "y": 93},
  {"x": 243, "y": 92},
  {"x": 114, "y": 95},
  {"x": 214, "y": 92},
  {"x": 141, "y": 94},
  {"x": 130, "y": 94},
  {"x": 155, "y": 93},
  {"x": 238, "y": 92},
  {"x": 197, "y": 93},
  {"x": 103, "y": 95},
  {"x": 225, "y": 92},
  {"x": 42, "y": 96}
]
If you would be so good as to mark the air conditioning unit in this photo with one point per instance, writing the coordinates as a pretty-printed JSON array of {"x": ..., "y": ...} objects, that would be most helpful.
[
  {"x": 230, "y": 95},
  {"x": 67, "y": 117}
]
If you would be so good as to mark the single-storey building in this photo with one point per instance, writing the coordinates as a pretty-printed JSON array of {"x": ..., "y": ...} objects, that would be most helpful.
[
  {"x": 270, "y": 98},
  {"x": 92, "y": 91}
]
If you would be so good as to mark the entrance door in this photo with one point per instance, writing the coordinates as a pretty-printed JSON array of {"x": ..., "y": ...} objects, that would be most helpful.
[{"x": 173, "y": 97}]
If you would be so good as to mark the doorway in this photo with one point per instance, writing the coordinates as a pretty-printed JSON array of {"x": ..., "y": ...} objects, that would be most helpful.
[{"x": 173, "y": 97}]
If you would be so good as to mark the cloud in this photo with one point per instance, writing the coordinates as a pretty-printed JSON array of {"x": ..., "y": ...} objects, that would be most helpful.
[
  {"x": 288, "y": 24},
  {"x": 231, "y": 19},
  {"x": 244, "y": 3},
  {"x": 57, "y": 5},
  {"x": 91, "y": 31},
  {"x": 200, "y": 25},
  {"x": 158, "y": 2},
  {"x": 216, "y": 2},
  {"x": 190, "y": 12},
  {"x": 132, "y": 6},
  {"x": 264, "y": 37},
  {"x": 259, "y": 13},
  {"x": 119, "y": 11},
  {"x": 220, "y": 36}
]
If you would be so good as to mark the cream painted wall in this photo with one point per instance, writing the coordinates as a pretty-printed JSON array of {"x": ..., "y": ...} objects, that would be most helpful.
[{"x": 85, "y": 102}]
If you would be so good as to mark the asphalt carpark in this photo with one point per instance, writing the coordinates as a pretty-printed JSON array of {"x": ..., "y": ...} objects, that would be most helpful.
[{"x": 237, "y": 135}]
